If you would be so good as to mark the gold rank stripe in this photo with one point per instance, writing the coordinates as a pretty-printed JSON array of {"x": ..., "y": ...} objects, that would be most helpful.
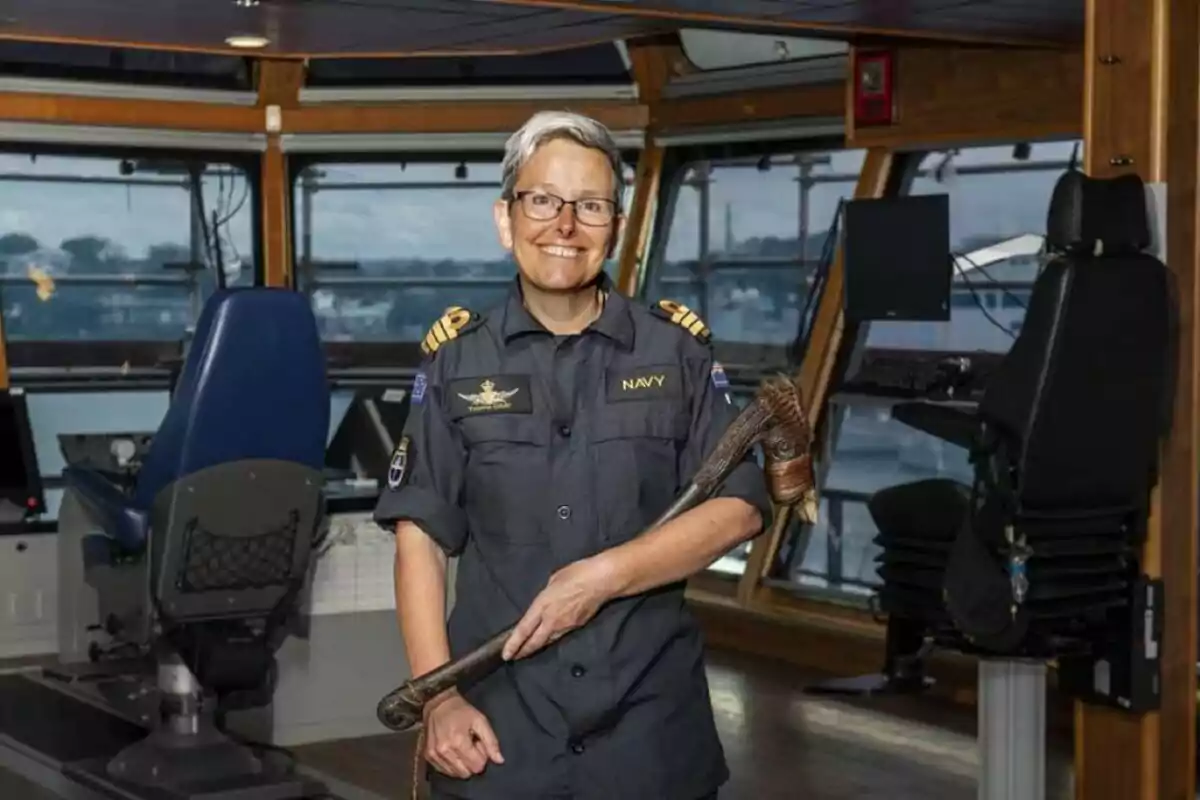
[
  {"x": 688, "y": 319},
  {"x": 446, "y": 328},
  {"x": 684, "y": 317}
]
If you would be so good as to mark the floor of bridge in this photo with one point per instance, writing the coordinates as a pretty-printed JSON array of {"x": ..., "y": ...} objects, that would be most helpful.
[
  {"x": 15, "y": 787},
  {"x": 780, "y": 744}
]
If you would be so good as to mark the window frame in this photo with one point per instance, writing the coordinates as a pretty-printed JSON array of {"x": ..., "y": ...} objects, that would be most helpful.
[
  {"x": 353, "y": 363},
  {"x": 119, "y": 362},
  {"x": 744, "y": 362}
]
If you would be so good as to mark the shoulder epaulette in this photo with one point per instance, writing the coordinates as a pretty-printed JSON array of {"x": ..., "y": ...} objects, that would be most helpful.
[
  {"x": 684, "y": 317},
  {"x": 454, "y": 322}
]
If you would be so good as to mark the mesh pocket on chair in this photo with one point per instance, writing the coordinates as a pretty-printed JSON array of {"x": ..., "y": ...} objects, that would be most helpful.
[{"x": 212, "y": 562}]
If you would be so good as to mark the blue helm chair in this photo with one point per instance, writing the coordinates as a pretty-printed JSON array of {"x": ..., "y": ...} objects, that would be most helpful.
[{"x": 197, "y": 569}]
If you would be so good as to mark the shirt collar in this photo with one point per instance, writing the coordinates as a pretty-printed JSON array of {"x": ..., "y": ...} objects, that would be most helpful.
[{"x": 615, "y": 321}]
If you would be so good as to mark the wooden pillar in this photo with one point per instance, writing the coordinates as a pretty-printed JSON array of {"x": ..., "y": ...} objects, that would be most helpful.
[
  {"x": 1141, "y": 100},
  {"x": 279, "y": 85},
  {"x": 816, "y": 366},
  {"x": 653, "y": 61},
  {"x": 277, "y": 259},
  {"x": 640, "y": 222}
]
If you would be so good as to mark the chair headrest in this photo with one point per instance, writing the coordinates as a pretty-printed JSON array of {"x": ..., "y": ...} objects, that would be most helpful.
[
  {"x": 253, "y": 387},
  {"x": 1098, "y": 215}
]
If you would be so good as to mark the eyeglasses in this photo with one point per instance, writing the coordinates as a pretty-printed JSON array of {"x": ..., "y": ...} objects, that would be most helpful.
[{"x": 543, "y": 206}]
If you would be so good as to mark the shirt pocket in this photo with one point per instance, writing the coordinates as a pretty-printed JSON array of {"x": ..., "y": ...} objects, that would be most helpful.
[
  {"x": 505, "y": 471},
  {"x": 635, "y": 455}
]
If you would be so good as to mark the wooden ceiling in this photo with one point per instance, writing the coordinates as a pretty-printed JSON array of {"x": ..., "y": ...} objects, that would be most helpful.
[
  {"x": 1009, "y": 21},
  {"x": 440, "y": 27}
]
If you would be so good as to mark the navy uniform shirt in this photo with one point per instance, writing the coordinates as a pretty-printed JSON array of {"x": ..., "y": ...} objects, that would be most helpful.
[{"x": 528, "y": 451}]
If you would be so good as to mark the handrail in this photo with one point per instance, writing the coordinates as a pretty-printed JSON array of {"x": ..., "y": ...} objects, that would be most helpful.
[{"x": 103, "y": 279}]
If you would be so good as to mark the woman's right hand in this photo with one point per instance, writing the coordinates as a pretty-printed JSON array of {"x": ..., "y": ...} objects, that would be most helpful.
[{"x": 459, "y": 740}]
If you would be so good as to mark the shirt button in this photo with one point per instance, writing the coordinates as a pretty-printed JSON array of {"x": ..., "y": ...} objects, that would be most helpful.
[
  {"x": 564, "y": 512},
  {"x": 564, "y": 431},
  {"x": 578, "y": 671},
  {"x": 576, "y": 747}
]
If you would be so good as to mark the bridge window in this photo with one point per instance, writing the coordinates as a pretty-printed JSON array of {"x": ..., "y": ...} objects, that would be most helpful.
[
  {"x": 384, "y": 248},
  {"x": 998, "y": 206},
  {"x": 105, "y": 262},
  {"x": 744, "y": 239},
  {"x": 96, "y": 249}
]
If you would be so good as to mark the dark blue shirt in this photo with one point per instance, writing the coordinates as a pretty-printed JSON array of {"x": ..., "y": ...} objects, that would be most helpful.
[{"x": 528, "y": 451}]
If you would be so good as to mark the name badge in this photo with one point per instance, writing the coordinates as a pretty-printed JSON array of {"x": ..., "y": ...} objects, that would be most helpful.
[
  {"x": 492, "y": 394},
  {"x": 643, "y": 383}
]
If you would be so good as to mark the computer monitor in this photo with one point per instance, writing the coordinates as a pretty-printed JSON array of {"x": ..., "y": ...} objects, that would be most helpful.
[
  {"x": 366, "y": 438},
  {"x": 896, "y": 259},
  {"x": 21, "y": 490}
]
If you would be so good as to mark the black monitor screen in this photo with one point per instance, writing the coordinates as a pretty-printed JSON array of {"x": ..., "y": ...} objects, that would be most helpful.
[
  {"x": 20, "y": 481},
  {"x": 897, "y": 260}
]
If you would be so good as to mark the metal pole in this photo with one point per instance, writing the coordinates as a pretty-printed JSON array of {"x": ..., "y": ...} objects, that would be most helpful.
[
  {"x": 1012, "y": 729},
  {"x": 702, "y": 266}
]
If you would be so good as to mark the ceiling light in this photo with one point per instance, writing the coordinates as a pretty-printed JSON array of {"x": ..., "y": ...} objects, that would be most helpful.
[{"x": 247, "y": 41}]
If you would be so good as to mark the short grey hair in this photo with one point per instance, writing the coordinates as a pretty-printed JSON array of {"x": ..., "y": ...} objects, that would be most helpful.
[{"x": 545, "y": 126}]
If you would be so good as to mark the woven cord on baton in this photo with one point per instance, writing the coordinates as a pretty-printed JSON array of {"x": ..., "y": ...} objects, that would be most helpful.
[{"x": 418, "y": 764}]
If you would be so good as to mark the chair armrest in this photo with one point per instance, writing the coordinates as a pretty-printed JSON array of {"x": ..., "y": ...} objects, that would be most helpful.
[
  {"x": 108, "y": 506},
  {"x": 950, "y": 424}
]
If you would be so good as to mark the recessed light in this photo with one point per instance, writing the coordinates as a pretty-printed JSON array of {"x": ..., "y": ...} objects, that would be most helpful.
[{"x": 247, "y": 41}]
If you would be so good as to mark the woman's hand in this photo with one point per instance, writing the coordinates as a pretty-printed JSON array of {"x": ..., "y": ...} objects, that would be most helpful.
[
  {"x": 572, "y": 596},
  {"x": 459, "y": 740}
]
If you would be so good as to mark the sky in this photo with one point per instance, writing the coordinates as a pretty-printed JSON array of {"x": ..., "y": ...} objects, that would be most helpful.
[{"x": 397, "y": 223}]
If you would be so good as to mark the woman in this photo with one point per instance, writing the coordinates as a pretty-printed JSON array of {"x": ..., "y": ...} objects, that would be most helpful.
[{"x": 545, "y": 435}]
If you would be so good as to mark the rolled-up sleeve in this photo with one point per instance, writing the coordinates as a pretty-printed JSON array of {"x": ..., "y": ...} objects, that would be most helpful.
[
  {"x": 429, "y": 490},
  {"x": 713, "y": 410}
]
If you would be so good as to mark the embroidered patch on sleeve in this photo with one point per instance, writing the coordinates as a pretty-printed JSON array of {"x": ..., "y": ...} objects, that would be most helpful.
[
  {"x": 719, "y": 379},
  {"x": 398, "y": 468}
]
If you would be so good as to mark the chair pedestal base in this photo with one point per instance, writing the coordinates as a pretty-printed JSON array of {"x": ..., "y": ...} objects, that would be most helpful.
[
  {"x": 167, "y": 759},
  {"x": 188, "y": 757},
  {"x": 1012, "y": 730},
  {"x": 276, "y": 784}
]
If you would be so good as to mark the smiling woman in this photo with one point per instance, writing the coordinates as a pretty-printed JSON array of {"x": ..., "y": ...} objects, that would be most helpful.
[{"x": 547, "y": 434}]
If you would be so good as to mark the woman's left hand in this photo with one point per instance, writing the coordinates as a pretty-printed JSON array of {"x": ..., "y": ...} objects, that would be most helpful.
[{"x": 572, "y": 596}]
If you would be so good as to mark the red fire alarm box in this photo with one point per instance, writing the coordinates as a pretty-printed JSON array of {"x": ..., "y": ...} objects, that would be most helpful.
[{"x": 874, "y": 88}]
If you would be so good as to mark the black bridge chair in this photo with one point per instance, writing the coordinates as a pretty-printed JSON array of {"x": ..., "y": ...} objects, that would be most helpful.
[
  {"x": 198, "y": 569},
  {"x": 1038, "y": 556}
]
